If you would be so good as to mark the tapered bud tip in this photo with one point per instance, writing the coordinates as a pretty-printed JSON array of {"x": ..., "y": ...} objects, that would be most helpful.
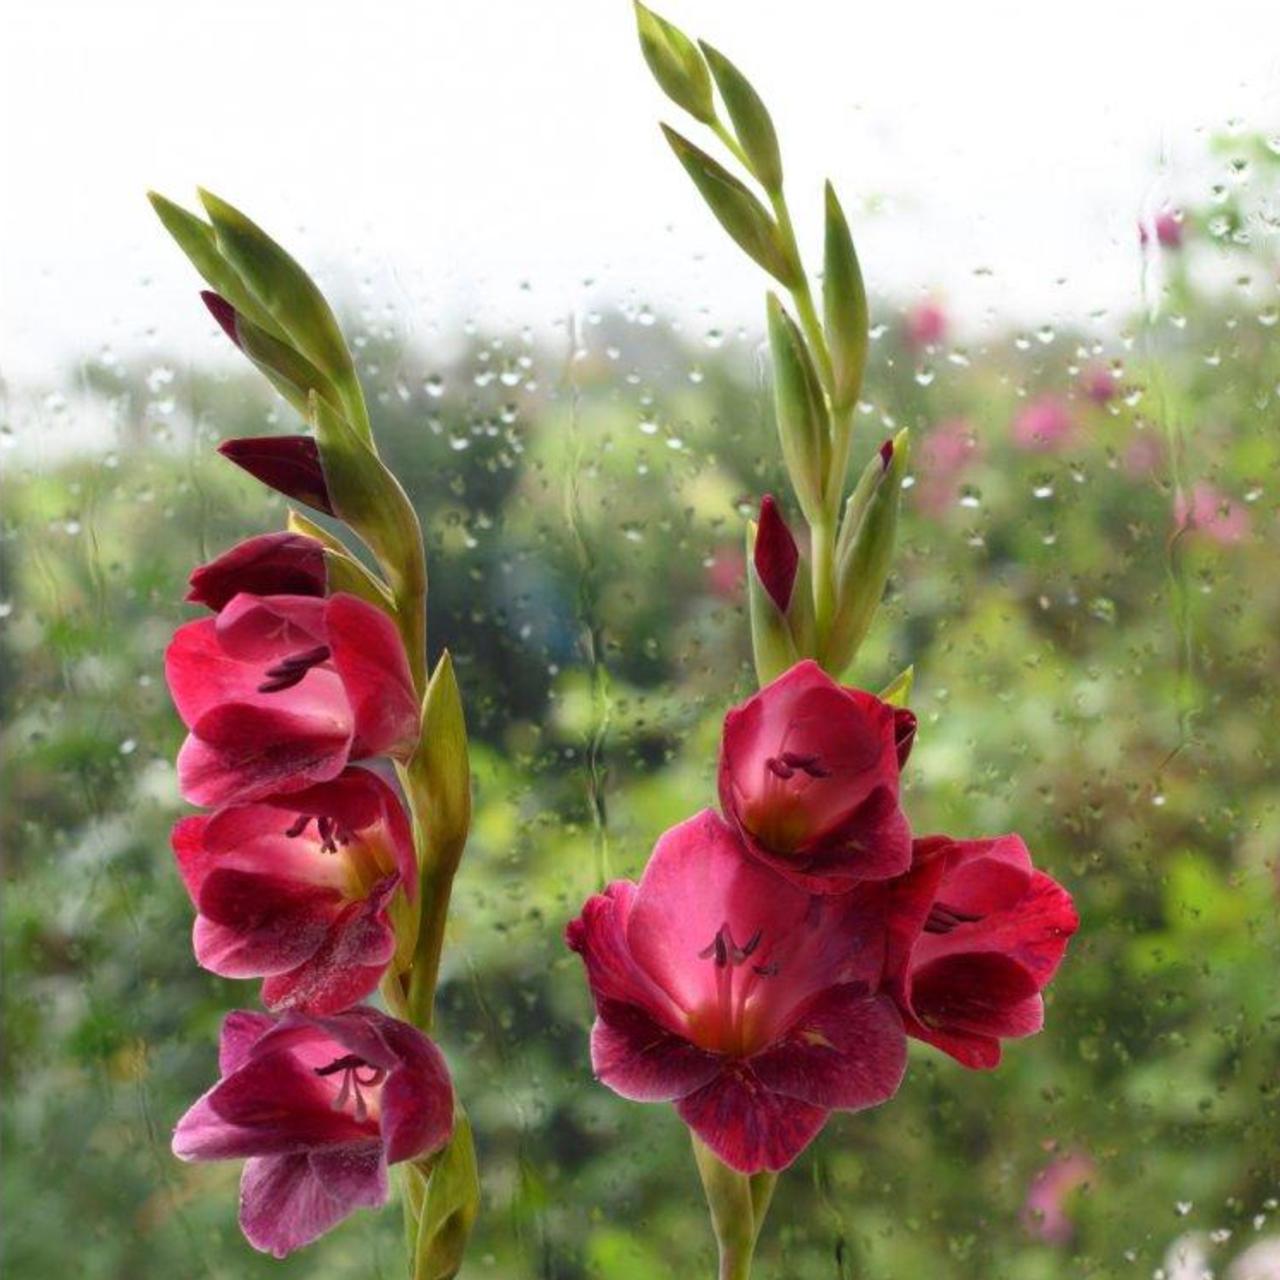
[
  {"x": 886, "y": 454},
  {"x": 289, "y": 464},
  {"x": 223, "y": 312},
  {"x": 776, "y": 554}
]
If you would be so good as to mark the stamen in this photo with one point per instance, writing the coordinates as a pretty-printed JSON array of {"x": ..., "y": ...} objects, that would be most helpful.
[
  {"x": 810, "y": 764},
  {"x": 304, "y": 820},
  {"x": 353, "y": 1082},
  {"x": 776, "y": 766},
  {"x": 290, "y": 671},
  {"x": 769, "y": 970}
]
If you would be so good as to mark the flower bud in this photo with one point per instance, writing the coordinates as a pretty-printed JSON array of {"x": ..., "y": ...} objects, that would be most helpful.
[
  {"x": 844, "y": 301},
  {"x": 801, "y": 411},
  {"x": 776, "y": 554},
  {"x": 750, "y": 117},
  {"x": 289, "y": 464},
  {"x": 676, "y": 64},
  {"x": 863, "y": 566},
  {"x": 272, "y": 564}
]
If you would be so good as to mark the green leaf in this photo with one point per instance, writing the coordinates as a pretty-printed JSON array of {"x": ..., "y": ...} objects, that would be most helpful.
[
  {"x": 196, "y": 239},
  {"x": 801, "y": 410},
  {"x": 750, "y": 118},
  {"x": 442, "y": 769},
  {"x": 292, "y": 300},
  {"x": 738, "y": 211},
  {"x": 897, "y": 693},
  {"x": 861, "y": 573},
  {"x": 772, "y": 644},
  {"x": 844, "y": 302},
  {"x": 446, "y": 1206},
  {"x": 343, "y": 571},
  {"x": 676, "y": 64},
  {"x": 369, "y": 498},
  {"x": 855, "y": 506}
]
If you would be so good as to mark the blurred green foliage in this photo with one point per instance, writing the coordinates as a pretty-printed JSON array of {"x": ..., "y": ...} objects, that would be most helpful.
[{"x": 1083, "y": 676}]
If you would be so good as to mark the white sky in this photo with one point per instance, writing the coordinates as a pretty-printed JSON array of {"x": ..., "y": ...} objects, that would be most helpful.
[{"x": 483, "y": 158}]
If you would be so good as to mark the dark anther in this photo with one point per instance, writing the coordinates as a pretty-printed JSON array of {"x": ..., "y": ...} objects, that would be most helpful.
[
  {"x": 353, "y": 1082},
  {"x": 300, "y": 826},
  {"x": 347, "y": 1063},
  {"x": 775, "y": 766},
  {"x": 766, "y": 970},
  {"x": 290, "y": 671},
  {"x": 747, "y": 948},
  {"x": 942, "y": 919},
  {"x": 812, "y": 765},
  {"x": 726, "y": 951}
]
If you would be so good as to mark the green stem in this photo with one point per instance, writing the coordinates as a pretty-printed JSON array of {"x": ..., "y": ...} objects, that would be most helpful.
[
  {"x": 822, "y": 549},
  {"x": 425, "y": 970}
]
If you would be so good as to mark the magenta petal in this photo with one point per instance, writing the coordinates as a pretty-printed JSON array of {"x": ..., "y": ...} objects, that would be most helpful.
[
  {"x": 271, "y": 564},
  {"x": 847, "y": 1052},
  {"x": 642, "y": 1061},
  {"x": 370, "y": 658},
  {"x": 238, "y": 752},
  {"x": 289, "y": 464},
  {"x": 345, "y": 966},
  {"x": 985, "y": 993},
  {"x": 749, "y": 1127},
  {"x": 284, "y": 1205},
  {"x": 241, "y": 1030},
  {"x": 417, "y": 1100},
  {"x": 354, "y": 1173}
]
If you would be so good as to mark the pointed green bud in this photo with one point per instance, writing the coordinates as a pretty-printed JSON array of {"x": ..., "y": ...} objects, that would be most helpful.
[
  {"x": 443, "y": 766},
  {"x": 750, "y": 119},
  {"x": 676, "y": 64},
  {"x": 738, "y": 211},
  {"x": 897, "y": 693},
  {"x": 447, "y": 1200},
  {"x": 772, "y": 645},
  {"x": 288, "y": 370},
  {"x": 801, "y": 410},
  {"x": 365, "y": 495},
  {"x": 863, "y": 570},
  {"x": 342, "y": 570},
  {"x": 844, "y": 304},
  {"x": 855, "y": 506},
  {"x": 197, "y": 240},
  {"x": 292, "y": 300}
]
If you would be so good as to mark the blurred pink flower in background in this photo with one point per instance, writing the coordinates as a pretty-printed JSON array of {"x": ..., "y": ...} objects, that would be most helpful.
[
  {"x": 1100, "y": 384},
  {"x": 1259, "y": 1261},
  {"x": 1044, "y": 425},
  {"x": 1168, "y": 230},
  {"x": 946, "y": 453},
  {"x": 726, "y": 572},
  {"x": 926, "y": 325},
  {"x": 1044, "y": 1212},
  {"x": 1212, "y": 513},
  {"x": 1144, "y": 454}
]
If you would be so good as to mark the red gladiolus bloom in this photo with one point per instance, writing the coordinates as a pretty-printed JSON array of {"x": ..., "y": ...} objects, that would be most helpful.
[
  {"x": 281, "y": 692},
  {"x": 295, "y": 890},
  {"x": 809, "y": 776},
  {"x": 272, "y": 564},
  {"x": 318, "y": 1108},
  {"x": 749, "y": 1003},
  {"x": 976, "y": 934}
]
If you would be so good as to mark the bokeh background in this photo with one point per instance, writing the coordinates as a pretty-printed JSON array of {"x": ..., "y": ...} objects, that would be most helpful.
[{"x": 566, "y": 366}]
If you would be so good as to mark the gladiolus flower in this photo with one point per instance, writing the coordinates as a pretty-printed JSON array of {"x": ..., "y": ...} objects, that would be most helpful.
[
  {"x": 746, "y": 1001},
  {"x": 1043, "y": 426},
  {"x": 776, "y": 554},
  {"x": 272, "y": 564},
  {"x": 289, "y": 464},
  {"x": 809, "y": 777},
  {"x": 1099, "y": 384},
  {"x": 976, "y": 934},
  {"x": 295, "y": 890},
  {"x": 281, "y": 692},
  {"x": 318, "y": 1108}
]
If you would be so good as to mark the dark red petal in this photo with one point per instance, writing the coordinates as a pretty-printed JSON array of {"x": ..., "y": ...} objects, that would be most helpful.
[
  {"x": 904, "y": 733},
  {"x": 847, "y": 1052},
  {"x": 417, "y": 1099},
  {"x": 776, "y": 554},
  {"x": 284, "y": 1205},
  {"x": 369, "y": 656},
  {"x": 289, "y": 464},
  {"x": 642, "y": 1061},
  {"x": 241, "y": 1030},
  {"x": 983, "y": 993},
  {"x": 270, "y": 564},
  {"x": 748, "y": 1126},
  {"x": 223, "y": 312}
]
